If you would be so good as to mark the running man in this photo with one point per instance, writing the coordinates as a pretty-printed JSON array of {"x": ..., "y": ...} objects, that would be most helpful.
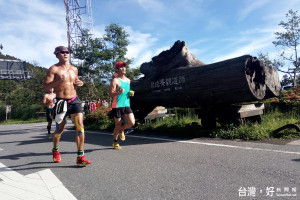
[
  {"x": 48, "y": 102},
  {"x": 63, "y": 77},
  {"x": 119, "y": 90}
]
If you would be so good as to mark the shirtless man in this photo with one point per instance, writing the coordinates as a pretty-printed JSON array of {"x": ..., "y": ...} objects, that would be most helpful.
[
  {"x": 119, "y": 90},
  {"x": 48, "y": 102},
  {"x": 63, "y": 77}
]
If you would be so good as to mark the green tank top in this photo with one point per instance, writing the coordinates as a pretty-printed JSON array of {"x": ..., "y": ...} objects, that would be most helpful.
[{"x": 122, "y": 100}]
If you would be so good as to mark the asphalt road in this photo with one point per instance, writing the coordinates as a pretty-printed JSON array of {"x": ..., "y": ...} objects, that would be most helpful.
[{"x": 157, "y": 167}]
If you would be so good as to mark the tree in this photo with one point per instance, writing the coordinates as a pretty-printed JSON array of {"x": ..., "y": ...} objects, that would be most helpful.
[
  {"x": 6, "y": 87},
  {"x": 99, "y": 55},
  {"x": 133, "y": 74},
  {"x": 286, "y": 80},
  {"x": 289, "y": 41},
  {"x": 117, "y": 40},
  {"x": 91, "y": 51},
  {"x": 36, "y": 84}
]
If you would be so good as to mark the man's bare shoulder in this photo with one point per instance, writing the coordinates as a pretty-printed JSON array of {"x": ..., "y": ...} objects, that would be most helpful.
[
  {"x": 115, "y": 80},
  {"x": 53, "y": 68},
  {"x": 46, "y": 96},
  {"x": 73, "y": 67}
]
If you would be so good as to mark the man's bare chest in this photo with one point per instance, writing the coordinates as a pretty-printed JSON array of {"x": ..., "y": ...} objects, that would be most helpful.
[{"x": 66, "y": 75}]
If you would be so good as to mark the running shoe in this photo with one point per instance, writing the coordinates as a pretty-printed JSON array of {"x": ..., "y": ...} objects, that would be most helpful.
[
  {"x": 129, "y": 131},
  {"x": 56, "y": 156},
  {"x": 122, "y": 135},
  {"x": 82, "y": 161},
  {"x": 116, "y": 146}
]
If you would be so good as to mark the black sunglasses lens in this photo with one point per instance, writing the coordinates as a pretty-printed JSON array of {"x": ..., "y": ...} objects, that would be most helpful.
[{"x": 64, "y": 52}]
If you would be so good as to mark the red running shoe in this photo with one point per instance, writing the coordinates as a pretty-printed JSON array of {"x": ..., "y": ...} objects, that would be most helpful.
[
  {"x": 56, "y": 156},
  {"x": 82, "y": 161}
]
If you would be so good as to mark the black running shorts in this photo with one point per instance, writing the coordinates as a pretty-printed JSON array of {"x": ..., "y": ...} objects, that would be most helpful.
[
  {"x": 72, "y": 107},
  {"x": 119, "y": 112}
]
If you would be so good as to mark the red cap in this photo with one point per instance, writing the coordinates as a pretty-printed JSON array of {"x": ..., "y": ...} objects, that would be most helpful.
[
  {"x": 120, "y": 64},
  {"x": 60, "y": 48}
]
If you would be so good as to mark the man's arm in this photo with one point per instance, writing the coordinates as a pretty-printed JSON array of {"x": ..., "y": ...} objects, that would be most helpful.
[
  {"x": 113, "y": 88},
  {"x": 45, "y": 99},
  {"x": 77, "y": 82},
  {"x": 49, "y": 80}
]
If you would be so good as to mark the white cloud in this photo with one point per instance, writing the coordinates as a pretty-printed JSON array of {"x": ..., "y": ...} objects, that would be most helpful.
[
  {"x": 140, "y": 46},
  {"x": 148, "y": 54},
  {"x": 249, "y": 42},
  {"x": 213, "y": 24},
  {"x": 145, "y": 57},
  {"x": 250, "y": 7},
  {"x": 33, "y": 32},
  {"x": 253, "y": 47},
  {"x": 151, "y": 5},
  {"x": 98, "y": 31}
]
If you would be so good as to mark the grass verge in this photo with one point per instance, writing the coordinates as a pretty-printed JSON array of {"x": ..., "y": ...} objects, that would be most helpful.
[
  {"x": 17, "y": 121},
  {"x": 190, "y": 126}
]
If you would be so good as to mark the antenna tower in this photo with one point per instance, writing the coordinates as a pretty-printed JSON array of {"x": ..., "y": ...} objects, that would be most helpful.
[{"x": 78, "y": 18}]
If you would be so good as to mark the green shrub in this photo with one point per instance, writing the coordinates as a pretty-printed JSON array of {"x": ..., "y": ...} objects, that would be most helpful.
[
  {"x": 270, "y": 122},
  {"x": 25, "y": 112},
  {"x": 187, "y": 125},
  {"x": 2, "y": 113},
  {"x": 245, "y": 132},
  {"x": 288, "y": 101},
  {"x": 98, "y": 120}
]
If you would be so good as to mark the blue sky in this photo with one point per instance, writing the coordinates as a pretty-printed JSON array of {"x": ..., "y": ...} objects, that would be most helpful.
[{"x": 213, "y": 30}]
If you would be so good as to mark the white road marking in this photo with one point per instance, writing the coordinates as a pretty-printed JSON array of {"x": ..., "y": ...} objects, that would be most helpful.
[
  {"x": 39, "y": 125},
  {"x": 295, "y": 142},
  {"x": 206, "y": 143},
  {"x": 42, "y": 185}
]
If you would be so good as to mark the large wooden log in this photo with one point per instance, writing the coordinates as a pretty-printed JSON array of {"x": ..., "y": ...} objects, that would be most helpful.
[
  {"x": 272, "y": 82},
  {"x": 236, "y": 80},
  {"x": 176, "y": 78}
]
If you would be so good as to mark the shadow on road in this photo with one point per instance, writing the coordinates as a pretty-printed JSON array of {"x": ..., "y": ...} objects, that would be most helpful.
[
  {"x": 101, "y": 139},
  {"x": 16, "y": 136}
]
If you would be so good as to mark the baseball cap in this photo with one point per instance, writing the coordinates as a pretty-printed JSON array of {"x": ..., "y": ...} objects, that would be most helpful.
[
  {"x": 60, "y": 48},
  {"x": 120, "y": 64}
]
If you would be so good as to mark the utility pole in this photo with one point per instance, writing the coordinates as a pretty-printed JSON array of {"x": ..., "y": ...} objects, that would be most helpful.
[{"x": 78, "y": 18}]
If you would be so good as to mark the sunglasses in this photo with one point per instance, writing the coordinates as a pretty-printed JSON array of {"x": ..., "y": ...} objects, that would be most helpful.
[{"x": 64, "y": 52}]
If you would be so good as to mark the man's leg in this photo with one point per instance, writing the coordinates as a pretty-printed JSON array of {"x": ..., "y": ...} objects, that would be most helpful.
[
  {"x": 130, "y": 121},
  {"x": 49, "y": 120},
  {"x": 80, "y": 136},
  {"x": 49, "y": 129},
  {"x": 56, "y": 138},
  {"x": 49, "y": 126},
  {"x": 116, "y": 132}
]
